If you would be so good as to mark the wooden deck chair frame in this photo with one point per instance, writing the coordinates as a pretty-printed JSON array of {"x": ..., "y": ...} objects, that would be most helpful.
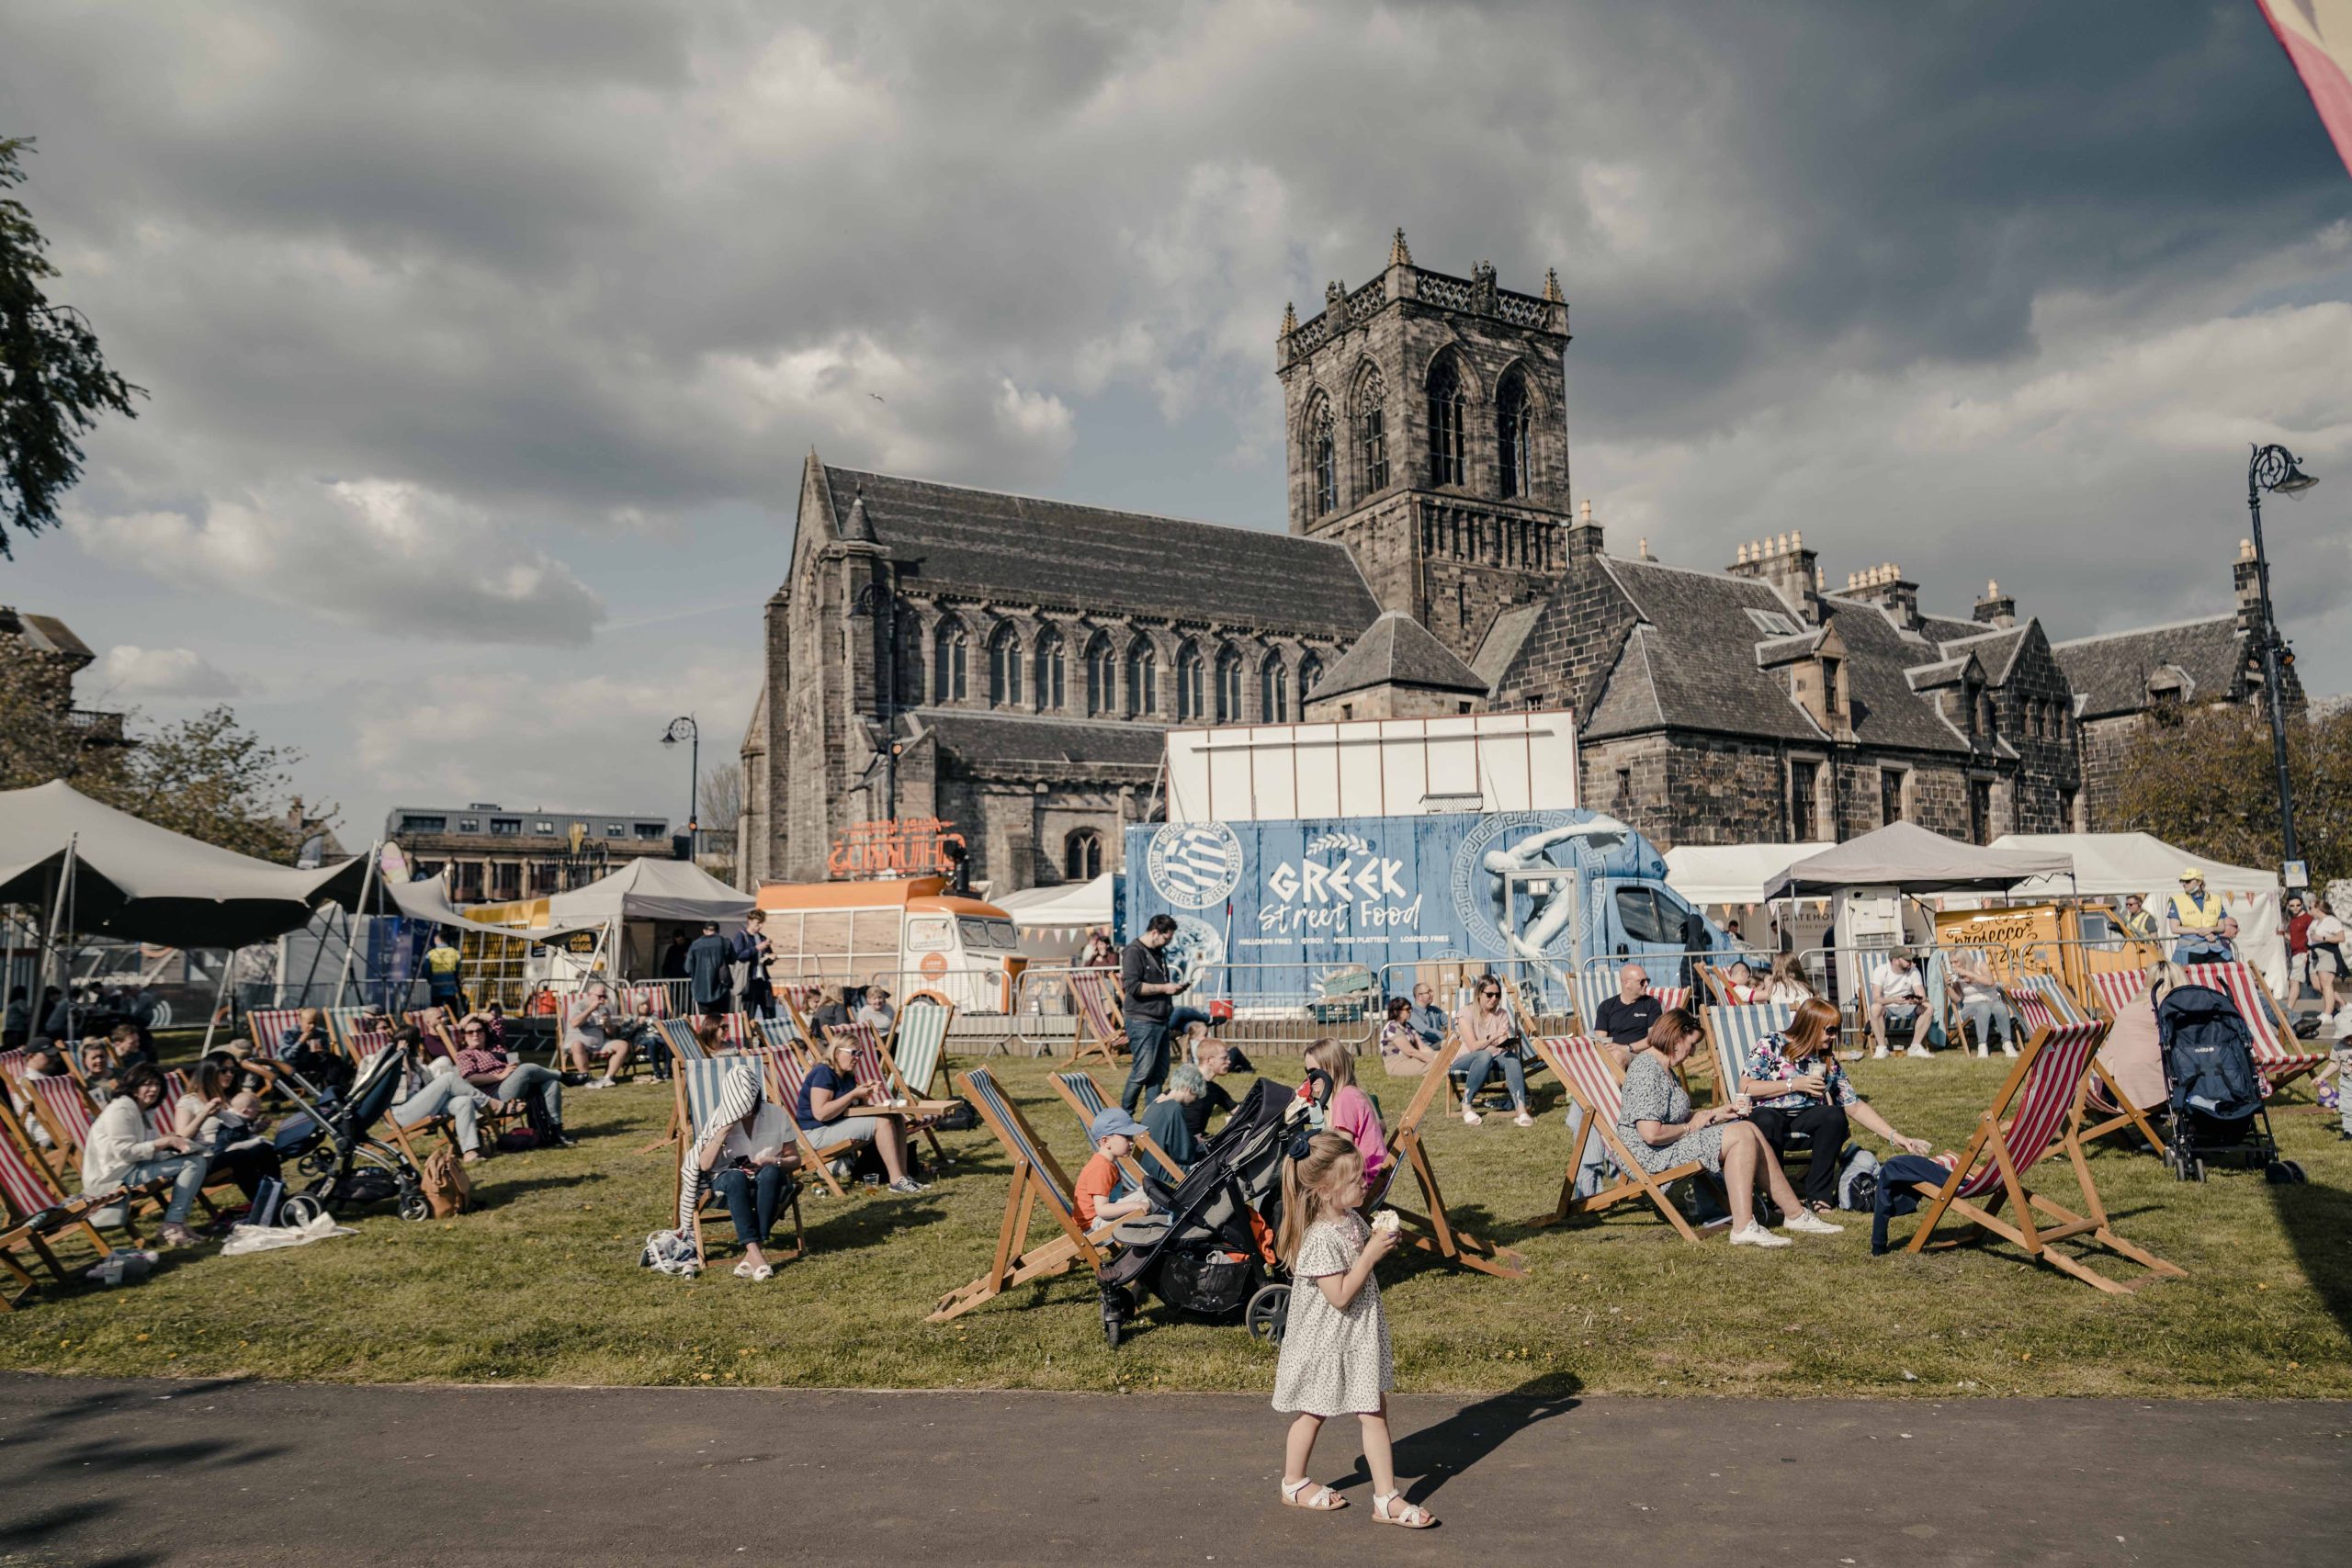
[
  {"x": 872, "y": 1066},
  {"x": 1102, "y": 1017},
  {"x": 1037, "y": 1177},
  {"x": 2043, "y": 1001},
  {"x": 1435, "y": 1230},
  {"x": 2275, "y": 1056},
  {"x": 1994, "y": 1168},
  {"x": 783, "y": 1077},
  {"x": 34, "y": 1208},
  {"x": 67, "y": 1210},
  {"x": 1575, "y": 1059},
  {"x": 689, "y": 1133},
  {"x": 1075, "y": 1084}
]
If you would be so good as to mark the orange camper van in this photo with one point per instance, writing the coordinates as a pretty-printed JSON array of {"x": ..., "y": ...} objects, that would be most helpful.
[{"x": 908, "y": 932}]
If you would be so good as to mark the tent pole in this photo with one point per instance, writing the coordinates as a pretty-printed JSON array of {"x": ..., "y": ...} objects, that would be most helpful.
[
  {"x": 49, "y": 940},
  {"x": 227, "y": 968},
  {"x": 350, "y": 919}
]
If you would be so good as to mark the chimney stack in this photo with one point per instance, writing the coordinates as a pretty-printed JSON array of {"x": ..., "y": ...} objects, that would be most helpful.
[
  {"x": 1584, "y": 535},
  {"x": 1885, "y": 586},
  {"x": 1997, "y": 608},
  {"x": 2247, "y": 578},
  {"x": 1788, "y": 568}
]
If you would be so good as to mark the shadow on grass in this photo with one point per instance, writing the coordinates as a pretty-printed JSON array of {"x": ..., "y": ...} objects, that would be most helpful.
[
  {"x": 2317, "y": 1221},
  {"x": 1437, "y": 1454},
  {"x": 504, "y": 1191}
]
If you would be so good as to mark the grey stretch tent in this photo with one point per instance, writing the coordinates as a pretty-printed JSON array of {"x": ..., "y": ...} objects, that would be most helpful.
[
  {"x": 650, "y": 890},
  {"x": 1907, "y": 856},
  {"x": 134, "y": 880}
]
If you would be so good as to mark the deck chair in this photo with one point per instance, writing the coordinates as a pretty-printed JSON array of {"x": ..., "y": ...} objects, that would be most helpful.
[
  {"x": 64, "y": 1110},
  {"x": 34, "y": 1209},
  {"x": 2043, "y": 1004},
  {"x": 678, "y": 1033},
  {"x": 1734, "y": 1029},
  {"x": 783, "y": 1034},
  {"x": 267, "y": 1026},
  {"x": 1084, "y": 1097},
  {"x": 1435, "y": 1231},
  {"x": 917, "y": 1045},
  {"x": 871, "y": 1065},
  {"x": 1594, "y": 1082},
  {"x": 786, "y": 1075},
  {"x": 1711, "y": 978},
  {"x": 1036, "y": 1179},
  {"x": 342, "y": 1024},
  {"x": 2275, "y": 1054},
  {"x": 1101, "y": 1021},
  {"x": 2113, "y": 990},
  {"x": 699, "y": 1084},
  {"x": 2040, "y": 1102}
]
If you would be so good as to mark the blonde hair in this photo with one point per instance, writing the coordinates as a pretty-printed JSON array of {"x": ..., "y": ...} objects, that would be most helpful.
[
  {"x": 1335, "y": 1059},
  {"x": 314, "y": 1018},
  {"x": 1330, "y": 1161},
  {"x": 1790, "y": 971}
]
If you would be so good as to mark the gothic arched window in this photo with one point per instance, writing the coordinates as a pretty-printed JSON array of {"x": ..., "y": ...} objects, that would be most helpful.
[
  {"x": 949, "y": 676},
  {"x": 1143, "y": 679},
  {"x": 1515, "y": 423},
  {"x": 1322, "y": 458},
  {"x": 1372, "y": 430},
  {"x": 1004, "y": 668},
  {"x": 1449, "y": 409},
  {"x": 1191, "y": 684},
  {"x": 1050, "y": 690},
  {"x": 1101, "y": 674},
  {"x": 1083, "y": 856},
  {"x": 1310, "y": 671},
  {"x": 1273, "y": 690},
  {"x": 1229, "y": 686}
]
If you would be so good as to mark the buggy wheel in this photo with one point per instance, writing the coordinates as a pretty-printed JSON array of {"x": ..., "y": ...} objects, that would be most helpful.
[
  {"x": 1268, "y": 1313},
  {"x": 412, "y": 1205},
  {"x": 1118, "y": 1307},
  {"x": 318, "y": 1162},
  {"x": 300, "y": 1210}
]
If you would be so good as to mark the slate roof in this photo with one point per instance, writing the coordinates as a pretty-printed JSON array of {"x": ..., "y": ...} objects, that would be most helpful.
[
  {"x": 1696, "y": 658},
  {"x": 981, "y": 740},
  {"x": 46, "y": 633},
  {"x": 1504, "y": 637},
  {"x": 2110, "y": 674},
  {"x": 1026, "y": 549},
  {"x": 1995, "y": 649},
  {"x": 1397, "y": 650},
  {"x": 1879, "y": 657}
]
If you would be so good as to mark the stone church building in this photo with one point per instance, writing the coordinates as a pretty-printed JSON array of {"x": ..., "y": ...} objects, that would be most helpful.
[{"x": 1002, "y": 668}]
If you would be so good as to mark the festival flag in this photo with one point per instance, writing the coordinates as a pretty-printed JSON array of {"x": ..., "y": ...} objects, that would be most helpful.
[{"x": 2317, "y": 35}]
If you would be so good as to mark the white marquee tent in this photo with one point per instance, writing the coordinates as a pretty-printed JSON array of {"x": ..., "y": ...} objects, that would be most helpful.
[
  {"x": 1060, "y": 916},
  {"x": 1731, "y": 875}
]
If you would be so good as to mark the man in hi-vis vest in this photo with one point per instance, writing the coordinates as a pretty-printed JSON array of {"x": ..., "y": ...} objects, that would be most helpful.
[{"x": 2194, "y": 917}]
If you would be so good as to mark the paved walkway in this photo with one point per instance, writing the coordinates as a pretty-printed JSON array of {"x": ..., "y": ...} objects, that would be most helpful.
[{"x": 136, "y": 1473}]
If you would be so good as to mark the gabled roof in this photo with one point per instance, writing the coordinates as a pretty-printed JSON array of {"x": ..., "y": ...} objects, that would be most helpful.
[
  {"x": 1697, "y": 656},
  {"x": 1505, "y": 636},
  {"x": 1397, "y": 650},
  {"x": 980, "y": 740},
  {"x": 1629, "y": 701},
  {"x": 2110, "y": 674},
  {"x": 1026, "y": 549},
  {"x": 1997, "y": 648},
  {"x": 1943, "y": 672},
  {"x": 1887, "y": 710},
  {"x": 45, "y": 633}
]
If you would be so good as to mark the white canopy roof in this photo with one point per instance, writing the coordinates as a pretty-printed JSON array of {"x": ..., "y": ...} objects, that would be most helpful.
[
  {"x": 134, "y": 880},
  {"x": 1731, "y": 874},
  {"x": 2111, "y": 864},
  {"x": 1068, "y": 910},
  {"x": 1907, "y": 856},
  {"x": 651, "y": 890}
]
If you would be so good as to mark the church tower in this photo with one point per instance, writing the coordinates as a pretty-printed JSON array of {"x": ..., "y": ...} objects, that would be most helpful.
[{"x": 1427, "y": 431}]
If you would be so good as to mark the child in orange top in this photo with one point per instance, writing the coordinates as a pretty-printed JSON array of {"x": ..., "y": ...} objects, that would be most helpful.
[{"x": 1103, "y": 1191}]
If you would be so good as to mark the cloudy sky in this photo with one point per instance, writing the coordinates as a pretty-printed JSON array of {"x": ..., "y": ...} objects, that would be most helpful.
[{"x": 484, "y": 341}]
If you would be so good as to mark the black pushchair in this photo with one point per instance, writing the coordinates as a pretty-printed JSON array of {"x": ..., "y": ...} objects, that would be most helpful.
[
  {"x": 2212, "y": 1093},
  {"x": 1208, "y": 1247},
  {"x": 327, "y": 1140}
]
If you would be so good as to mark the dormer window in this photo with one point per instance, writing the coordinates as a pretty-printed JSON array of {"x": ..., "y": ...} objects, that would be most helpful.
[{"x": 1833, "y": 687}]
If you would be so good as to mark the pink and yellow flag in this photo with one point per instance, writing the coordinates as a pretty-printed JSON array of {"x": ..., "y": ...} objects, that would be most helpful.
[{"x": 2317, "y": 35}]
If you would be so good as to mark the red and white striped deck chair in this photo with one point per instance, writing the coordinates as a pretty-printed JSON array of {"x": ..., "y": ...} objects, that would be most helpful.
[
  {"x": 650, "y": 1001},
  {"x": 65, "y": 1113},
  {"x": 2040, "y": 1003},
  {"x": 786, "y": 1076},
  {"x": 1595, "y": 987},
  {"x": 735, "y": 1030},
  {"x": 268, "y": 1026},
  {"x": 1102, "y": 1023},
  {"x": 34, "y": 1207},
  {"x": 2039, "y": 1105},
  {"x": 1593, "y": 1081},
  {"x": 2116, "y": 989},
  {"x": 2276, "y": 1057},
  {"x": 12, "y": 1064}
]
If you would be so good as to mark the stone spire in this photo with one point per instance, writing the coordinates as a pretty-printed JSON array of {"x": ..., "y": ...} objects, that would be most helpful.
[
  {"x": 1290, "y": 321},
  {"x": 1551, "y": 287},
  {"x": 1397, "y": 254},
  {"x": 857, "y": 529}
]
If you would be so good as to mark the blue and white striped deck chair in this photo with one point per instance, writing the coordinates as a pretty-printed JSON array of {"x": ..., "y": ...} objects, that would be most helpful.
[
  {"x": 913, "y": 1054},
  {"x": 1734, "y": 1031},
  {"x": 1084, "y": 1097},
  {"x": 714, "y": 1091},
  {"x": 785, "y": 1036},
  {"x": 1036, "y": 1178},
  {"x": 678, "y": 1033}
]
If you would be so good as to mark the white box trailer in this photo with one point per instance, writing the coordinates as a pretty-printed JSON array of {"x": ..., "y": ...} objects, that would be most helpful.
[{"x": 1374, "y": 767}]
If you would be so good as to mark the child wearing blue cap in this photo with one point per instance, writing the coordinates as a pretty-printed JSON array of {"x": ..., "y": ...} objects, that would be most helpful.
[{"x": 1104, "y": 1192}]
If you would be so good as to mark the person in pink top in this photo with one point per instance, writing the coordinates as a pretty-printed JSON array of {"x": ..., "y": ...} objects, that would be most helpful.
[{"x": 1350, "y": 1111}]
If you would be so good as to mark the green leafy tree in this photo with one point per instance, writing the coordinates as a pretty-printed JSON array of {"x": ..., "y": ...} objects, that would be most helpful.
[
  {"x": 2205, "y": 780},
  {"x": 53, "y": 380}
]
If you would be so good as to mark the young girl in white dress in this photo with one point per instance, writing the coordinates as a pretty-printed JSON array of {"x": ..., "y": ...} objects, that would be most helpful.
[{"x": 1335, "y": 1356}]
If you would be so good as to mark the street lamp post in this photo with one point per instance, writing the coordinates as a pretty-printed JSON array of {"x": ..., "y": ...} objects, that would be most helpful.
[
  {"x": 2273, "y": 468},
  {"x": 685, "y": 729},
  {"x": 870, "y": 604}
]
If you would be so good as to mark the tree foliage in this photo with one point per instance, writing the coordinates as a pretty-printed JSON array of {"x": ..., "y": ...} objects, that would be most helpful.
[
  {"x": 207, "y": 777},
  {"x": 722, "y": 796},
  {"x": 54, "y": 381},
  {"x": 2205, "y": 780}
]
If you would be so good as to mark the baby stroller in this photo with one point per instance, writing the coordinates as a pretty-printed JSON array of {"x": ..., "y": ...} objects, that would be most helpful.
[
  {"x": 1208, "y": 1247},
  {"x": 2213, "y": 1096},
  {"x": 327, "y": 1140}
]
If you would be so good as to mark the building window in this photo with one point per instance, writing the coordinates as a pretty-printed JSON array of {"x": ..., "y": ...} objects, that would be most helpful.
[
  {"x": 652, "y": 832},
  {"x": 1514, "y": 424},
  {"x": 1624, "y": 787},
  {"x": 1448, "y": 411},
  {"x": 468, "y": 824},
  {"x": 1311, "y": 672},
  {"x": 506, "y": 879},
  {"x": 1274, "y": 690},
  {"x": 2070, "y": 808},
  {"x": 1082, "y": 855},
  {"x": 617, "y": 830},
  {"x": 1830, "y": 702},
  {"x": 1372, "y": 430},
  {"x": 1143, "y": 679},
  {"x": 1987, "y": 719},
  {"x": 1101, "y": 672},
  {"x": 950, "y": 677},
  {"x": 1980, "y": 811},
  {"x": 506, "y": 827},
  {"x": 1004, "y": 668},
  {"x": 1804, "y": 800},
  {"x": 545, "y": 878},
  {"x": 1323, "y": 458},
  {"x": 544, "y": 828},
  {"x": 1890, "y": 796},
  {"x": 465, "y": 880},
  {"x": 1192, "y": 685},
  {"x": 1229, "y": 686},
  {"x": 424, "y": 824},
  {"x": 1050, "y": 689}
]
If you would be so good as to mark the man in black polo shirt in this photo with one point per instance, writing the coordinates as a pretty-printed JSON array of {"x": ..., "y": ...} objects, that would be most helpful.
[
  {"x": 1146, "y": 992},
  {"x": 1625, "y": 1017}
]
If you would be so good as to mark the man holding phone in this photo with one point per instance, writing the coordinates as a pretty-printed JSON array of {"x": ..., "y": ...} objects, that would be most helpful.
[{"x": 1147, "y": 993}]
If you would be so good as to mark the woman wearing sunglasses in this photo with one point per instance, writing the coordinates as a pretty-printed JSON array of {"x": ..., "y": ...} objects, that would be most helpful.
[
  {"x": 1798, "y": 1086},
  {"x": 1489, "y": 1040}
]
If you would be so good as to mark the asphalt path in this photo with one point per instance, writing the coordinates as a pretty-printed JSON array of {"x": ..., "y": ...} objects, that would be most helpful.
[{"x": 128, "y": 1473}]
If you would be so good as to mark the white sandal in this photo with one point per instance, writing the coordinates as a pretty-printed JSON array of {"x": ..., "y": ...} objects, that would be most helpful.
[
  {"x": 1325, "y": 1500},
  {"x": 1388, "y": 1508}
]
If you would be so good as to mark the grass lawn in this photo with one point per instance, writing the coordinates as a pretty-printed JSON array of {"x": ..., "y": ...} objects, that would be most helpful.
[{"x": 542, "y": 1285}]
